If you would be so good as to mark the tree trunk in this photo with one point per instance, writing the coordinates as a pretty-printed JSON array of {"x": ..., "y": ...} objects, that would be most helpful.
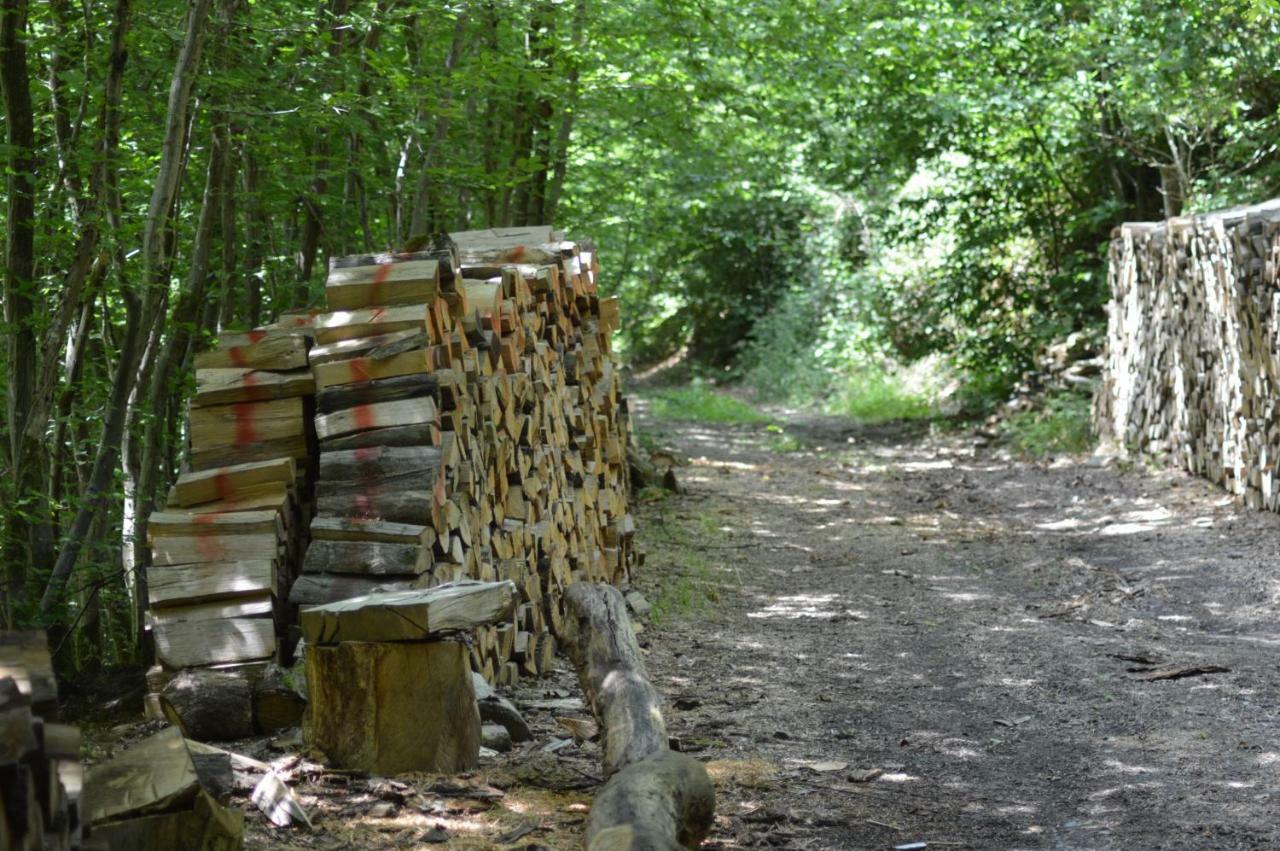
[
  {"x": 255, "y": 239},
  {"x": 567, "y": 114},
  {"x": 426, "y": 217},
  {"x": 19, "y": 283},
  {"x": 653, "y": 798},
  {"x": 143, "y": 309},
  {"x": 187, "y": 316}
]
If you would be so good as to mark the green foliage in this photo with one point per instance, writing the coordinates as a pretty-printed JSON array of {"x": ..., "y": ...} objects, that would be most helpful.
[
  {"x": 798, "y": 195},
  {"x": 873, "y": 396},
  {"x": 698, "y": 402},
  {"x": 1061, "y": 425}
]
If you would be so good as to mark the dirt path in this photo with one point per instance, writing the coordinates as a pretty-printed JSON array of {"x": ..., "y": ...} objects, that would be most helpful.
[{"x": 973, "y": 628}]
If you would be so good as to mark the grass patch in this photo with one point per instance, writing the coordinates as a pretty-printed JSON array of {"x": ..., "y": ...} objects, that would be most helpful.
[
  {"x": 690, "y": 592},
  {"x": 874, "y": 395},
  {"x": 1062, "y": 425},
  {"x": 688, "y": 586},
  {"x": 781, "y": 442},
  {"x": 698, "y": 402}
]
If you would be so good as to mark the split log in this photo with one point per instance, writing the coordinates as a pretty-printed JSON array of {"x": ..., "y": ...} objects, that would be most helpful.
[
  {"x": 410, "y": 506},
  {"x": 410, "y": 615},
  {"x": 189, "y": 644},
  {"x": 377, "y": 415},
  {"x": 378, "y": 464},
  {"x": 170, "y": 524},
  {"x": 366, "y": 322},
  {"x": 654, "y": 798},
  {"x": 388, "y": 708},
  {"x": 256, "y": 350},
  {"x": 362, "y": 392},
  {"x": 202, "y": 583},
  {"x": 387, "y": 283},
  {"x": 315, "y": 589},
  {"x": 227, "y": 482},
  {"x": 259, "y": 606},
  {"x": 209, "y": 705},
  {"x": 214, "y": 547},
  {"x": 269, "y": 495},
  {"x": 421, "y": 434},
  {"x": 275, "y": 422},
  {"x": 150, "y": 796},
  {"x": 224, "y": 386},
  {"x": 367, "y": 558},
  {"x": 325, "y": 528}
]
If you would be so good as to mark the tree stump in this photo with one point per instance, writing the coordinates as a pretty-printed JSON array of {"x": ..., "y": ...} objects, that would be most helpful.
[{"x": 392, "y": 707}]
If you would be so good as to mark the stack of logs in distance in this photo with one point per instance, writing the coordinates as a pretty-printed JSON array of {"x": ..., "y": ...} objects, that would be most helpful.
[
  {"x": 470, "y": 425},
  {"x": 1193, "y": 356},
  {"x": 228, "y": 542}
]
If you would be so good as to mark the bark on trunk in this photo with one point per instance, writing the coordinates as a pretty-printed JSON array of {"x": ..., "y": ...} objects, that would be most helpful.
[
  {"x": 19, "y": 284},
  {"x": 426, "y": 215},
  {"x": 654, "y": 798},
  {"x": 143, "y": 308}
]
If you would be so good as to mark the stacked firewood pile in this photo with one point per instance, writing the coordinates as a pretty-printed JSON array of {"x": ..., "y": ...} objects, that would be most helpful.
[
  {"x": 454, "y": 413},
  {"x": 470, "y": 425},
  {"x": 1194, "y": 349},
  {"x": 40, "y": 770},
  {"x": 226, "y": 546}
]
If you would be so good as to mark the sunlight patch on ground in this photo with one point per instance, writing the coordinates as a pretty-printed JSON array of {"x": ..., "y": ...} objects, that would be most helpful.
[
  {"x": 966, "y": 596},
  {"x": 1062, "y": 525},
  {"x": 1117, "y": 765},
  {"x": 896, "y": 777},
  {"x": 922, "y": 466},
  {"x": 799, "y": 606},
  {"x": 704, "y": 461}
]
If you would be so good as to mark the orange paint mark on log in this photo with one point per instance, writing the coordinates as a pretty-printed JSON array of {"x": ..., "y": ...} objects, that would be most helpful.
[
  {"x": 364, "y": 418},
  {"x": 205, "y": 519},
  {"x": 256, "y": 336},
  {"x": 438, "y": 490},
  {"x": 211, "y": 548},
  {"x": 364, "y": 504},
  {"x": 377, "y": 313},
  {"x": 358, "y": 369},
  {"x": 365, "y": 454},
  {"x": 236, "y": 355},
  {"x": 222, "y": 484},
  {"x": 379, "y": 278},
  {"x": 516, "y": 254},
  {"x": 246, "y": 430}
]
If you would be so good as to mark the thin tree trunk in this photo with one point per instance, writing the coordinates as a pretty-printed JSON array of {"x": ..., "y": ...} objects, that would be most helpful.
[
  {"x": 143, "y": 309},
  {"x": 567, "y": 114},
  {"x": 19, "y": 289},
  {"x": 313, "y": 222},
  {"x": 187, "y": 323},
  {"x": 426, "y": 218},
  {"x": 255, "y": 226}
]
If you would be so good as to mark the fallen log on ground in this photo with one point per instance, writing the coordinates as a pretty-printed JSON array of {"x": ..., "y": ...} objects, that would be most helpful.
[{"x": 654, "y": 798}]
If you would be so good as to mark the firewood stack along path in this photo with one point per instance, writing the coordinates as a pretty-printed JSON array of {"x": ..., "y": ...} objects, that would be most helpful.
[
  {"x": 1193, "y": 347},
  {"x": 455, "y": 412},
  {"x": 230, "y": 539}
]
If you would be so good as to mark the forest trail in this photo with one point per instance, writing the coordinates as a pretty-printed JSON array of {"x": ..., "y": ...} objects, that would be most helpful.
[{"x": 973, "y": 627}]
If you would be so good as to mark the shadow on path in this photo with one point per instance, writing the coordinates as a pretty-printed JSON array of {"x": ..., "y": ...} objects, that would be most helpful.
[{"x": 973, "y": 628}]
